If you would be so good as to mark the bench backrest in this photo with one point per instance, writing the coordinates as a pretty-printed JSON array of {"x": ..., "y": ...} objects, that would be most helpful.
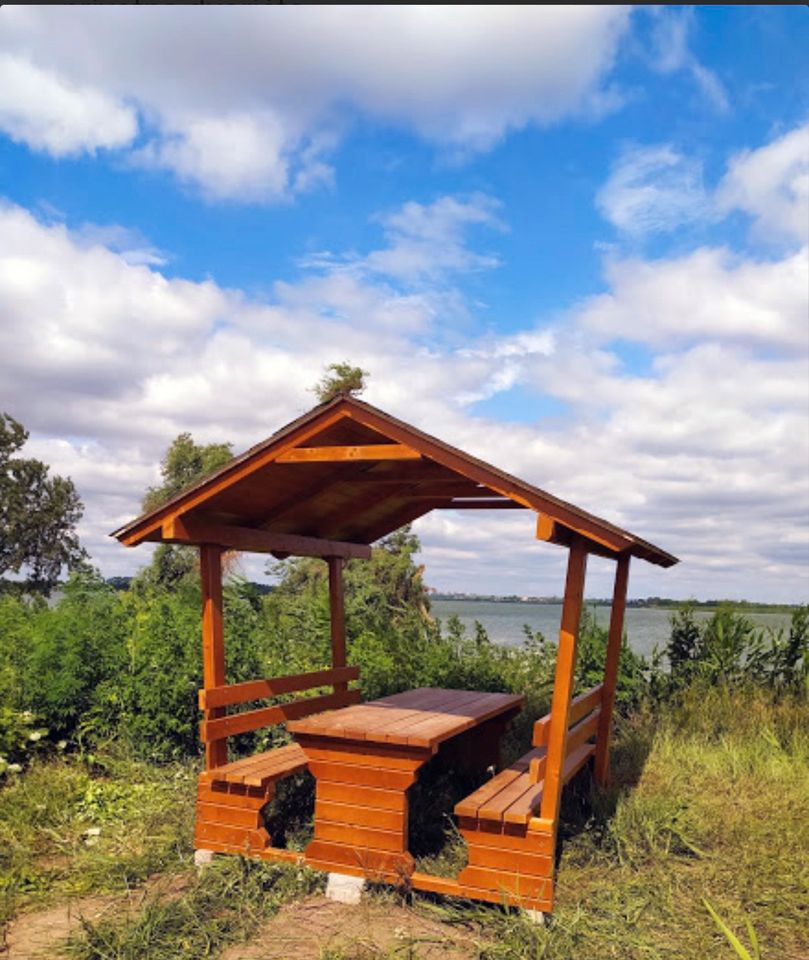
[
  {"x": 214, "y": 700},
  {"x": 583, "y": 719}
]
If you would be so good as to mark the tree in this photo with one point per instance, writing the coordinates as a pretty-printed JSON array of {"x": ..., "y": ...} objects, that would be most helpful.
[
  {"x": 38, "y": 514},
  {"x": 340, "y": 378},
  {"x": 184, "y": 464}
]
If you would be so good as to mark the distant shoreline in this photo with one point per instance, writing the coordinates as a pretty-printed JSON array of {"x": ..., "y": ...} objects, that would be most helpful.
[{"x": 651, "y": 603}]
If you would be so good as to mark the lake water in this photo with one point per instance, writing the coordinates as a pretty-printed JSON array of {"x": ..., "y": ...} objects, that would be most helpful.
[{"x": 645, "y": 627}]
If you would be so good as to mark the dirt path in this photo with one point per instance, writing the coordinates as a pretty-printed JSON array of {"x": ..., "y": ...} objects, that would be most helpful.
[
  {"x": 315, "y": 927},
  {"x": 39, "y": 935}
]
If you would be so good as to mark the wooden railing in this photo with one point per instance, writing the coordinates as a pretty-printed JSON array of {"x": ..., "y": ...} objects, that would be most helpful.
[
  {"x": 583, "y": 720},
  {"x": 213, "y": 699}
]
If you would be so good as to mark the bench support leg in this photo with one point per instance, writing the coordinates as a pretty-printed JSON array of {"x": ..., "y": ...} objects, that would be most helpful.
[{"x": 344, "y": 888}]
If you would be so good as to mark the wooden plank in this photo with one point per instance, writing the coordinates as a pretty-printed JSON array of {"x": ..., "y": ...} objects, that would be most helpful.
[
  {"x": 261, "y": 769},
  {"x": 363, "y": 755},
  {"x": 526, "y": 805},
  {"x": 498, "y": 837},
  {"x": 337, "y": 617},
  {"x": 579, "y": 706},
  {"x": 452, "y": 888},
  {"x": 213, "y": 644},
  {"x": 362, "y": 796},
  {"x": 331, "y": 856},
  {"x": 235, "y": 836},
  {"x": 371, "y": 451},
  {"x": 485, "y": 794},
  {"x": 228, "y": 815},
  {"x": 496, "y": 858},
  {"x": 500, "y": 880},
  {"x": 382, "y": 778},
  {"x": 584, "y": 730},
  {"x": 222, "y": 794},
  {"x": 519, "y": 793},
  {"x": 360, "y": 837},
  {"x": 238, "y": 469},
  {"x": 577, "y": 760},
  {"x": 234, "y": 693},
  {"x": 191, "y": 531},
  {"x": 280, "y": 713},
  {"x": 602, "y": 754},
  {"x": 350, "y": 813},
  {"x": 563, "y": 680}
]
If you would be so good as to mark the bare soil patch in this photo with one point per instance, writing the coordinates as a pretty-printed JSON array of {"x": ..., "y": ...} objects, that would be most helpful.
[
  {"x": 40, "y": 934},
  {"x": 315, "y": 927}
]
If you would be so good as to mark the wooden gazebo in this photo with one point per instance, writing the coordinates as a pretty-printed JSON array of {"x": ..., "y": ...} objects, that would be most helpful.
[{"x": 329, "y": 485}]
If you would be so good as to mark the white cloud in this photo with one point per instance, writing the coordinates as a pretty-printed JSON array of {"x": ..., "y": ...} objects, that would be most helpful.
[
  {"x": 50, "y": 112},
  {"x": 707, "y": 294},
  {"x": 772, "y": 185},
  {"x": 671, "y": 53},
  {"x": 654, "y": 189},
  {"x": 247, "y": 102},
  {"x": 704, "y": 453},
  {"x": 657, "y": 188}
]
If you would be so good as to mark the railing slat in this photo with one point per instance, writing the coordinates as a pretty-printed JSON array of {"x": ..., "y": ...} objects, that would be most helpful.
[
  {"x": 230, "y": 694},
  {"x": 280, "y": 713}
]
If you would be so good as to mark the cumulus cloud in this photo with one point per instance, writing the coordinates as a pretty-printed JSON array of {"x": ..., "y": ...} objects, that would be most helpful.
[
  {"x": 705, "y": 452},
  {"x": 707, "y": 294},
  {"x": 50, "y": 112},
  {"x": 657, "y": 188},
  {"x": 771, "y": 184},
  {"x": 247, "y": 102}
]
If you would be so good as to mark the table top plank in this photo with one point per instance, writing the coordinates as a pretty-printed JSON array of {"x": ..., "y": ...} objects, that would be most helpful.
[{"x": 420, "y": 718}]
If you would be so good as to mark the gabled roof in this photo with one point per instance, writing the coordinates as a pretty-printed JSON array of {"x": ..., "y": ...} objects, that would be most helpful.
[{"x": 349, "y": 472}]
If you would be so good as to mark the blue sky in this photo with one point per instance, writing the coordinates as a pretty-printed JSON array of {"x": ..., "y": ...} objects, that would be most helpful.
[{"x": 571, "y": 240}]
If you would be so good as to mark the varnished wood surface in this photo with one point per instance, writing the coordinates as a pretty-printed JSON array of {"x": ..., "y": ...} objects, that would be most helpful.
[{"x": 419, "y": 718}]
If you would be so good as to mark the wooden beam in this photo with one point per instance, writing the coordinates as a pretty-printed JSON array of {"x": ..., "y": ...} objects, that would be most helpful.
[
  {"x": 338, "y": 618},
  {"x": 302, "y": 493},
  {"x": 589, "y": 527},
  {"x": 179, "y": 530},
  {"x": 602, "y": 755},
  {"x": 213, "y": 643},
  {"x": 240, "y": 468},
  {"x": 373, "y": 451},
  {"x": 551, "y": 531},
  {"x": 563, "y": 681},
  {"x": 482, "y": 503}
]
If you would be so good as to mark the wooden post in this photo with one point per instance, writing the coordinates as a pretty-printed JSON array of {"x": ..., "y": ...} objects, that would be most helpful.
[
  {"x": 213, "y": 643},
  {"x": 338, "y": 617},
  {"x": 602, "y": 755},
  {"x": 563, "y": 680}
]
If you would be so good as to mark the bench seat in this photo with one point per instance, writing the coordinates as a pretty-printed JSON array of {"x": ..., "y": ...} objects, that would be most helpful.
[
  {"x": 260, "y": 770},
  {"x": 510, "y": 796}
]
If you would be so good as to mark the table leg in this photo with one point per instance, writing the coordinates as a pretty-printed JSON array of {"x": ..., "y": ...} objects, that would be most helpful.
[{"x": 361, "y": 808}]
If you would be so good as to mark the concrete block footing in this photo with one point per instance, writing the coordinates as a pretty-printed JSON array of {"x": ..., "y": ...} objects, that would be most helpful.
[
  {"x": 344, "y": 889},
  {"x": 202, "y": 858},
  {"x": 535, "y": 916}
]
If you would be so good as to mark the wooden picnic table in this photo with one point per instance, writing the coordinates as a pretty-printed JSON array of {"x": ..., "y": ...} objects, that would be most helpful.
[{"x": 365, "y": 757}]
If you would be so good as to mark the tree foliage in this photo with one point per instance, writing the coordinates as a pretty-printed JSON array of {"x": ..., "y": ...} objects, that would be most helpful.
[
  {"x": 184, "y": 464},
  {"x": 38, "y": 514},
  {"x": 340, "y": 378}
]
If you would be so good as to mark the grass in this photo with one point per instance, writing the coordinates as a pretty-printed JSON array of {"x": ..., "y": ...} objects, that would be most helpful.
[
  {"x": 225, "y": 904},
  {"x": 710, "y": 802},
  {"x": 76, "y": 826}
]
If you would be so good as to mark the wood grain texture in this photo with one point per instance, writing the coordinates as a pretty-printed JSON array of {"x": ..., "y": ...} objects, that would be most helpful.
[
  {"x": 232, "y": 694},
  {"x": 602, "y": 754},
  {"x": 193, "y": 531},
  {"x": 563, "y": 680},
  {"x": 213, "y": 643},
  {"x": 373, "y": 451}
]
